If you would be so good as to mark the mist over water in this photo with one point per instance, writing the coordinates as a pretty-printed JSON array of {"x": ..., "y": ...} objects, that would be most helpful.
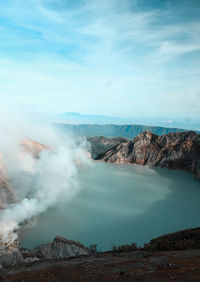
[{"x": 121, "y": 203}]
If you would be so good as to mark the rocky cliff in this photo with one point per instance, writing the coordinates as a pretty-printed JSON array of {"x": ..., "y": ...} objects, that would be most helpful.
[{"x": 179, "y": 150}]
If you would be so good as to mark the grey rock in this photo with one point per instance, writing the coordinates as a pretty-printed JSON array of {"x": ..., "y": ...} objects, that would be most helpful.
[
  {"x": 11, "y": 259},
  {"x": 61, "y": 248},
  {"x": 10, "y": 254}
]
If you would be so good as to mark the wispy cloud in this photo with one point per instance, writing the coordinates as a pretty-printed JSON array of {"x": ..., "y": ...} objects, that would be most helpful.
[{"x": 89, "y": 52}]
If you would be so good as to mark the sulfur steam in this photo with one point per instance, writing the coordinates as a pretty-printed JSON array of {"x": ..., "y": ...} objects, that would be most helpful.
[{"x": 41, "y": 177}]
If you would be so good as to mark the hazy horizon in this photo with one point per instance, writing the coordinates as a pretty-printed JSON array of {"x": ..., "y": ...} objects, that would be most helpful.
[{"x": 78, "y": 119}]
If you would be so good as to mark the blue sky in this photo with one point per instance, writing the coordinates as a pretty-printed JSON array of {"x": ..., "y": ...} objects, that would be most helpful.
[{"x": 132, "y": 59}]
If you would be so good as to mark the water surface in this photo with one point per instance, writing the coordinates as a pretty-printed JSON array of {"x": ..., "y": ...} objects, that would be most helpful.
[{"x": 119, "y": 204}]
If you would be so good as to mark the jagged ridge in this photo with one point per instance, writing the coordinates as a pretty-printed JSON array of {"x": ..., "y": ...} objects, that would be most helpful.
[{"x": 179, "y": 150}]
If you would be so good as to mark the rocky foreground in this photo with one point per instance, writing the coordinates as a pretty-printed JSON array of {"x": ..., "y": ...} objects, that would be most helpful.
[
  {"x": 179, "y": 150},
  {"x": 170, "y": 257},
  {"x": 12, "y": 254}
]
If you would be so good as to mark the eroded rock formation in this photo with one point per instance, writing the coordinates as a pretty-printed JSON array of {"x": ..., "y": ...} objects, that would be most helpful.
[{"x": 180, "y": 150}]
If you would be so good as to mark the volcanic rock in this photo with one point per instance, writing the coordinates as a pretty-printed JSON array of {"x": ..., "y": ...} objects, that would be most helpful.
[
  {"x": 101, "y": 144},
  {"x": 179, "y": 150},
  {"x": 61, "y": 248},
  {"x": 11, "y": 254}
]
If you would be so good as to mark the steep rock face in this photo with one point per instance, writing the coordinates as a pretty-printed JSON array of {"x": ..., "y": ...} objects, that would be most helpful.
[
  {"x": 180, "y": 150},
  {"x": 101, "y": 144}
]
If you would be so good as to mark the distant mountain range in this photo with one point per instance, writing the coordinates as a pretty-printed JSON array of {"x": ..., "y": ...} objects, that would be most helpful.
[
  {"x": 77, "y": 118},
  {"x": 113, "y": 130}
]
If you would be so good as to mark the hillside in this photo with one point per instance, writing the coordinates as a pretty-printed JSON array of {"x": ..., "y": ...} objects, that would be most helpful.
[{"x": 113, "y": 130}]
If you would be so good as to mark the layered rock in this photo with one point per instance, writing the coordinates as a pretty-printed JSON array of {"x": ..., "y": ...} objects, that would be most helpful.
[{"x": 180, "y": 150}]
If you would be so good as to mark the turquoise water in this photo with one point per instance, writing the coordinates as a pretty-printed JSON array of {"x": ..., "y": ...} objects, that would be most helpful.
[{"x": 118, "y": 204}]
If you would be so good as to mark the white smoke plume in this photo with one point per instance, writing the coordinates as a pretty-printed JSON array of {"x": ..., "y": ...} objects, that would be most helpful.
[{"x": 38, "y": 183}]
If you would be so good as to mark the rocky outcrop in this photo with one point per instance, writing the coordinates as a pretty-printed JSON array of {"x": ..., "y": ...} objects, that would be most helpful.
[
  {"x": 60, "y": 248},
  {"x": 11, "y": 254},
  {"x": 33, "y": 147},
  {"x": 180, "y": 150},
  {"x": 101, "y": 144}
]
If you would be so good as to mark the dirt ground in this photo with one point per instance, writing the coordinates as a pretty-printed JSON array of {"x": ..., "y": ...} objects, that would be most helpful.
[{"x": 110, "y": 266}]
